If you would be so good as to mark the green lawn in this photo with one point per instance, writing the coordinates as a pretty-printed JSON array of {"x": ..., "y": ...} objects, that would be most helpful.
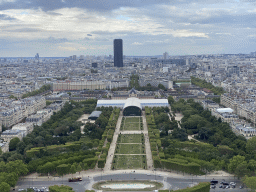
[
  {"x": 132, "y": 119},
  {"x": 133, "y": 138},
  {"x": 131, "y": 123},
  {"x": 130, "y": 149},
  {"x": 129, "y": 162},
  {"x": 153, "y": 185}
]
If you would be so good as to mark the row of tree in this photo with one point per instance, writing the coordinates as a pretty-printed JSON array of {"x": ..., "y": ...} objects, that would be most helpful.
[
  {"x": 134, "y": 83},
  {"x": 10, "y": 173},
  {"x": 43, "y": 89},
  {"x": 204, "y": 84}
]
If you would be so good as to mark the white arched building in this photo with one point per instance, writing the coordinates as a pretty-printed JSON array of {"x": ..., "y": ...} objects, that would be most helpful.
[{"x": 133, "y": 105}]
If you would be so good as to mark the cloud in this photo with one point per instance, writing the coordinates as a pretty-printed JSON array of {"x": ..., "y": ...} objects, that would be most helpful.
[
  {"x": 136, "y": 43},
  {"x": 185, "y": 33},
  {"x": 6, "y": 17},
  {"x": 99, "y": 5}
]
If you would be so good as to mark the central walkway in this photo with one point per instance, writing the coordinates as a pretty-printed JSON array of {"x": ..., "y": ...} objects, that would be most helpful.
[
  {"x": 113, "y": 144},
  {"x": 147, "y": 144},
  {"x": 112, "y": 148}
]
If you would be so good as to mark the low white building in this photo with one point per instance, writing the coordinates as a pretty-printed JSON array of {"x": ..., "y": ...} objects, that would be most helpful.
[
  {"x": 27, "y": 127},
  {"x": 36, "y": 119},
  {"x": 8, "y": 135},
  {"x": 46, "y": 114},
  {"x": 4, "y": 147}
]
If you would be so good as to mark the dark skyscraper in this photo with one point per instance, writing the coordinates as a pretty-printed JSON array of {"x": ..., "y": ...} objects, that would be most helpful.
[{"x": 118, "y": 53}]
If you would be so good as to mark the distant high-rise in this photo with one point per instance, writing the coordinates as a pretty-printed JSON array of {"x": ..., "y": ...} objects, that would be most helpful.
[
  {"x": 165, "y": 55},
  {"x": 94, "y": 65},
  {"x": 118, "y": 53},
  {"x": 37, "y": 56}
]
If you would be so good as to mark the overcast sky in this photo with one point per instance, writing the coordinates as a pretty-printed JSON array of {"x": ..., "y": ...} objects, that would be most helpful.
[{"x": 147, "y": 27}]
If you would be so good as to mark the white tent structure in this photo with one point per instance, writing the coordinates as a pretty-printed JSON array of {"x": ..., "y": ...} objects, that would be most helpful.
[
  {"x": 225, "y": 110},
  {"x": 133, "y": 103}
]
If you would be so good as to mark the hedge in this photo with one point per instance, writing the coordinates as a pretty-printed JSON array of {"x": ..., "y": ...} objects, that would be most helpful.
[
  {"x": 91, "y": 162},
  {"x": 157, "y": 162},
  {"x": 191, "y": 168},
  {"x": 201, "y": 187},
  {"x": 161, "y": 155},
  {"x": 101, "y": 163}
]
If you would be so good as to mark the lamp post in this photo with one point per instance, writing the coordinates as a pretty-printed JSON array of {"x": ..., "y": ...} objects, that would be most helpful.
[
  {"x": 155, "y": 174},
  {"x": 101, "y": 173}
]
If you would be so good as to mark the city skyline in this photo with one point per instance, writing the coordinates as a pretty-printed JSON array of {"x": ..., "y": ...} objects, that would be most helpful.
[{"x": 149, "y": 28}]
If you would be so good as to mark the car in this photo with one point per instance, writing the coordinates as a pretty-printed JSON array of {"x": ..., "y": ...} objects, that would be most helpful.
[
  {"x": 221, "y": 186},
  {"x": 213, "y": 186},
  {"x": 241, "y": 187},
  {"x": 75, "y": 179},
  {"x": 21, "y": 189},
  {"x": 214, "y": 181},
  {"x": 227, "y": 187}
]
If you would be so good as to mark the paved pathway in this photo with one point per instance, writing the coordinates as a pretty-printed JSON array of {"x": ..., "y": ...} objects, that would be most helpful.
[
  {"x": 147, "y": 144},
  {"x": 129, "y": 154},
  {"x": 134, "y": 132},
  {"x": 113, "y": 144}
]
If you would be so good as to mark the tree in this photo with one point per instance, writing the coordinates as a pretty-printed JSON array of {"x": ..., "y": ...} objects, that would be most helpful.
[
  {"x": 63, "y": 169},
  {"x": 252, "y": 165},
  {"x": 5, "y": 187},
  {"x": 21, "y": 147},
  {"x": 85, "y": 166},
  {"x": 234, "y": 162},
  {"x": 13, "y": 143},
  {"x": 180, "y": 134},
  {"x": 12, "y": 97},
  {"x": 250, "y": 182},
  {"x": 48, "y": 167},
  {"x": 73, "y": 169},
  {"x": 160, "y": 86},
  {"x": 251, "y": 145},
  {"x": 79, "y": 168},
  {"x": 204, "y": 133},
  {"x": 241, "y": 170}
]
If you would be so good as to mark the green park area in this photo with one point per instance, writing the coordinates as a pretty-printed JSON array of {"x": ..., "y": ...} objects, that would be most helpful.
[
  {"x": 126, "y": 147},
  {"x": 129, "y": 162},
  {"x": 131, "y": 123},
  {"x": 130, "y": 149},
  {"x": 130, "y": 138}
]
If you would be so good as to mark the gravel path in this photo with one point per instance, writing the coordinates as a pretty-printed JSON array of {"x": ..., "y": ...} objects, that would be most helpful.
[{"x": 113, "y": 144}]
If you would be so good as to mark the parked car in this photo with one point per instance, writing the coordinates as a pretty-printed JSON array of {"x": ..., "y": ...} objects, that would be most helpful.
[
  {"x": 214, "y": 181},
  {"x": 75, "y": 179}
]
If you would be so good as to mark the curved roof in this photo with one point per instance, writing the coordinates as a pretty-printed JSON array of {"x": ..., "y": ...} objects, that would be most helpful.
[
  {"x": 225, "y": 110},
  {"x": 132, "y": 102}
]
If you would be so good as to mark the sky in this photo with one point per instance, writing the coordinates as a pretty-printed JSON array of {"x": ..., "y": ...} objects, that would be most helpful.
[{"x": 60, "y": 28}]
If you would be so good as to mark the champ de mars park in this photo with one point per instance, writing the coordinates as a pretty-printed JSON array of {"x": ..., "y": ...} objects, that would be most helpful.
[{"x": 132, "y": 145}]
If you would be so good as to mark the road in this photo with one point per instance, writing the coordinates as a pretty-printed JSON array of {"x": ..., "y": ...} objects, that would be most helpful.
[{"x": 169, "y": 182}]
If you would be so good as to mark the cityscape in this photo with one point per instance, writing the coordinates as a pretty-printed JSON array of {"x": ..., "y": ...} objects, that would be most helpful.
[{"x": 127, "y": 96}]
